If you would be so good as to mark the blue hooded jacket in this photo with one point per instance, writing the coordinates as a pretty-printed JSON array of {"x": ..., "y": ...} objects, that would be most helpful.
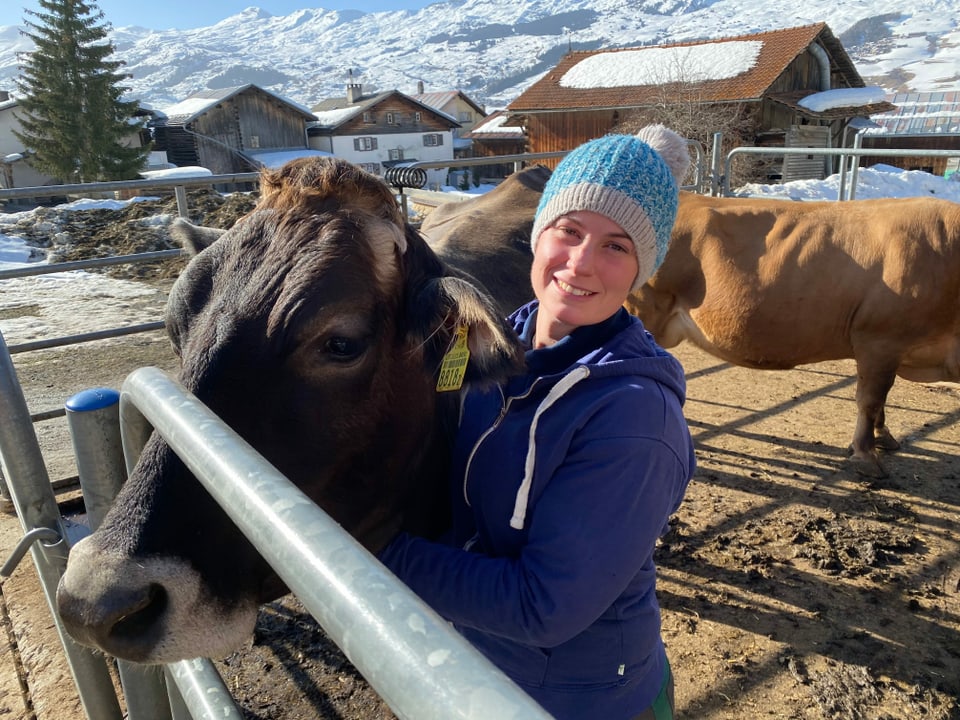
[{"x": 563, "y": 480}]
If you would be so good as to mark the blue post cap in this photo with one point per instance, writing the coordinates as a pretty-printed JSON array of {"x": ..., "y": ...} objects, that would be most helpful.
[{"x": 92, "y": 399}]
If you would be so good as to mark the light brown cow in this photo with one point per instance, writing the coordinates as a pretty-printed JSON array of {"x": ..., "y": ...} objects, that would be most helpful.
[{"x": 774, "y": 284}]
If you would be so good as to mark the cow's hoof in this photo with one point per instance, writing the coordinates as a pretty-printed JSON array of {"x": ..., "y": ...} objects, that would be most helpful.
[
  {"x": 885, "y": 441},
  {"x": 868, "y": 466}
]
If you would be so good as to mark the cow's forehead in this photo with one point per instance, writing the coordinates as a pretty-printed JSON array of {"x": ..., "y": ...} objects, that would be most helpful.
[
  {"x": 269, "y": 246},
  {"x": 272, "y": 265}
]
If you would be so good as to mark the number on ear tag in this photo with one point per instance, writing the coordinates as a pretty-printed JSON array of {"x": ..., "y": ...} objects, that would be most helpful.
[{"x": 453, "y": 367}]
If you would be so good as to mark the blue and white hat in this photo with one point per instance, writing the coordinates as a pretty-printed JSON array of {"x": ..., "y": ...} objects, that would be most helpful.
[{"x": 631, "y": 179}]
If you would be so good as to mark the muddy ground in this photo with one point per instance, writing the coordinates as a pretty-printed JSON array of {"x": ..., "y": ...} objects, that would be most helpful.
[{"x": 791, "y": 586}]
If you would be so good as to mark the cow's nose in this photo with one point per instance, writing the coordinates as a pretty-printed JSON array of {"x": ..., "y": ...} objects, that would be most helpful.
[{"x": 125, "y": 623}]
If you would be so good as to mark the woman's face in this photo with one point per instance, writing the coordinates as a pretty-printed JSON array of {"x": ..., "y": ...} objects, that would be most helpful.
[{"x": 583, "y": 268}]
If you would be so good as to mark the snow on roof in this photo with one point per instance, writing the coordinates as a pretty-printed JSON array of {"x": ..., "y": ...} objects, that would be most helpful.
[
  {"x": 843, "y": 97},
  {"x": 495, "y": 125},
  {"x": 659, "y": 65},
  {"x": 175, "y": 172},
  {"x": 331, "y": 118},
  {"x": 190, "y": 106},
  {"x": 276, "y": 158}
]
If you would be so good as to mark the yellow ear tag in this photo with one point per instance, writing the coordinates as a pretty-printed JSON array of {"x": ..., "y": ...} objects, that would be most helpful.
[{"x": 453, "y": 367}]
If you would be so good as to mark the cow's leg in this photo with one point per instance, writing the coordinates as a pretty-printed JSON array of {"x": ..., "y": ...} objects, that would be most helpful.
[
  {"x": 883, "y": 439},
  {"x": 874, "y": 380}
]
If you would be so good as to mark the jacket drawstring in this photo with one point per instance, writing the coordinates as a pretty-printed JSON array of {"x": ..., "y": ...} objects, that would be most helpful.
[{"x": 579, "y": 373}]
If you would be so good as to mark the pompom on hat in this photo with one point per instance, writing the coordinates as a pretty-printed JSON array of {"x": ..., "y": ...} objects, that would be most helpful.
[{"x": 632, "y": 179}]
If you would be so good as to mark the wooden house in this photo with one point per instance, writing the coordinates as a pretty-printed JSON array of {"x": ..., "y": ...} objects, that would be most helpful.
[
  {"x": 921, "y": 121},
  {"x": 492, "y": 136},
  {"x": 381, "y": 130},
  {"x": 461, "y": 108},
  {"x": 231, "y": 130},
  {"x": 759, "y": 79}
]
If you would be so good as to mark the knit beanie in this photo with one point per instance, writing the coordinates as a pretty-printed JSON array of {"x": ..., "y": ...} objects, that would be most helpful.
[{"x": 631, "y": 179}]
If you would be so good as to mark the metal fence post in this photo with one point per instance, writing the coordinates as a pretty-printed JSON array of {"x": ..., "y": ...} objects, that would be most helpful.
[
  {"x": 36, "y": 507},
  {"x": 715, "y": 161},
  {"x": 93, "y": 417},
  {"x": 183, "y": 209}
]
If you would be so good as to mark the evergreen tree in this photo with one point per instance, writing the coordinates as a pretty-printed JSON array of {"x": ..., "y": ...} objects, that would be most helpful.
[{"x": 73, "y": 121}]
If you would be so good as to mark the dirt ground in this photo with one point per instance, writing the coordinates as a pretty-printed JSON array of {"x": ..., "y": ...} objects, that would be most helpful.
[{"x": 791, "y": 587}]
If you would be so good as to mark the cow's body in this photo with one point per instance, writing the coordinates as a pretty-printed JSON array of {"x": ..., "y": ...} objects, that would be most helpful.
[
  {"x": 315, "y": 327},
  {"x": 775, "y": 283}
]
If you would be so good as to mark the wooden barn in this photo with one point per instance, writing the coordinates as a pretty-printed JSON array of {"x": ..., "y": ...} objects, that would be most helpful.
[
  {"x": 491, "y": 137},
  {"x": 921, "y": 121},
  {"x": 753, "y": 83},
  {"x": 231, "y": 129}
]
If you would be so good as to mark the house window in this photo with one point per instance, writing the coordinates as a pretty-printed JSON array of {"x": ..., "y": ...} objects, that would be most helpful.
[
  {"x": 365, "y": 143},
  {"x": 396, "y": 154},
  {"x": 416, "y": 117},
  {"x": 368, "y": 116},
  {"x": 466, "y": 116},
  {"x": 373, "y": 168},
  {"x": 254, "y": 141},
  {"x": 390, "y": 119},
  {"x": 432, "y": 140}
]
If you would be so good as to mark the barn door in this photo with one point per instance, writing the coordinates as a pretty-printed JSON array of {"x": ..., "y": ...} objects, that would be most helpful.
[{"x": 806, "y": 167}]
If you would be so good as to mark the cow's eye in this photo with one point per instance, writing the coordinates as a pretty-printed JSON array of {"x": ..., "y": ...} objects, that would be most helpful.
[{"x": 343, "y": 349}]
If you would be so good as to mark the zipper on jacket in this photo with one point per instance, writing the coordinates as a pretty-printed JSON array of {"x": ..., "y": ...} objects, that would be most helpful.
[{"x": 504, "y": 408}]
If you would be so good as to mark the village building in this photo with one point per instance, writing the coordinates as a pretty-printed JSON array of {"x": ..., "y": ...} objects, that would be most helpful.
[
  {"x": 15, "y": 168},
  {"x": 491, "y": 137},
  {"x": 461, "y": 108},
  {"x": 383, "y": 130},
  {"x": 755, "y": 82},
  {"x": 232, "y": 130}
]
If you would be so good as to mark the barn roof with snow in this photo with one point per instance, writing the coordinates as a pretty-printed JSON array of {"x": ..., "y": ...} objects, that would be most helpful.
[
  {"x": 494, "y": 127},
  {"x": 197, "y": 104},
  {"x": 738, "y": 68}
]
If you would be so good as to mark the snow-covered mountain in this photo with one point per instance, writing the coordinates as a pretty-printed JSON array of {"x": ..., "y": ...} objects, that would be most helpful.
[{"x": 494, "y": 49}]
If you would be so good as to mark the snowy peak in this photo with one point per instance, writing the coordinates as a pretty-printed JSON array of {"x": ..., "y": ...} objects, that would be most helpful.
[{"x": 494, "y": 49}]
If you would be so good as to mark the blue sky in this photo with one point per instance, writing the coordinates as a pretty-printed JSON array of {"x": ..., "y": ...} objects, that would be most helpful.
[{"x": 199, "y": 13}]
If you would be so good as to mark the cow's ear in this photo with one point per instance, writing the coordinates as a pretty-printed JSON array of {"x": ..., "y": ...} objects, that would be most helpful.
[
  {"x": 495, "y": 349},
  {"x": 193, "y": 238}
]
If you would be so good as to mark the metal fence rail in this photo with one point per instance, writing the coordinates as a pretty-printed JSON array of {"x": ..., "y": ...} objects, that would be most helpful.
[
  {"x": 417, "y": 663},
  {"x": 32, "y": 496},
  {"x": 843, "y": 193}
]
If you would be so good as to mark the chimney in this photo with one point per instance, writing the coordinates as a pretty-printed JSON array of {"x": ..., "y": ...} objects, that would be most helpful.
[
  {"x": 419, "y": 87},
  {"x": 354, "y": 90},
  {"x": 4, "y": 95}
]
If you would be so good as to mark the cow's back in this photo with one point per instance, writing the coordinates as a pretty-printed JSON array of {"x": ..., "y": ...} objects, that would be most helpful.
[
  {"x": 488, "y": 237},
  {"x": 775, "y": 283}
]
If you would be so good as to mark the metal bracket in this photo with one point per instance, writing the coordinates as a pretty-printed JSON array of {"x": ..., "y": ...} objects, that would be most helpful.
[{"x": 50, "y": 537}]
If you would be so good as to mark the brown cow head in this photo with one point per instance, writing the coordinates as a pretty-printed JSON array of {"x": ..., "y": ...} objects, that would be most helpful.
[{"x": 315, "y": 328}]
